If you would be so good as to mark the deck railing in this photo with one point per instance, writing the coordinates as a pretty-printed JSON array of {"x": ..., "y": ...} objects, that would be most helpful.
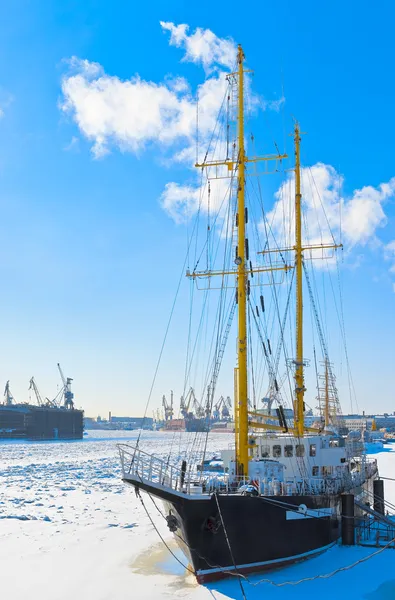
[{"x": 148, "y": 468}]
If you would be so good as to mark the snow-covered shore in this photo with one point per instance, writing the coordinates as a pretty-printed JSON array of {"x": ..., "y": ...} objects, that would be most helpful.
[{"x": 69, "y": 528}]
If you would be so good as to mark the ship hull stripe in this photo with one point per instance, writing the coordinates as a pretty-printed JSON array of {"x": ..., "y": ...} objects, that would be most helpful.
[{"x": 207, "y": 573}]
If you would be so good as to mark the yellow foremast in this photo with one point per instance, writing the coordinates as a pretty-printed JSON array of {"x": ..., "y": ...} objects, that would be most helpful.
[
  {"x": 242, "y": 272},
  {"x": 242, "y": 387},
  {"x": 299, "y": 363}
]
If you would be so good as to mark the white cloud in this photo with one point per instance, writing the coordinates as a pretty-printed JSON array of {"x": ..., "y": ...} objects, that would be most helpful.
[
  {"x": 390, "y": 248},
  {"x": 202, "y": 46},
  {"x": 180, "y": 201},
  {"x": 127, "y": 114},
  {"x": 363, "y": 212},
  {"x": 389, "y": 255},
  {"x": 274, "y": 105},
  {"x": 73, "y": 145},
  {"x": 325, "y": 209},
  {"x": 131, "y": 115}
]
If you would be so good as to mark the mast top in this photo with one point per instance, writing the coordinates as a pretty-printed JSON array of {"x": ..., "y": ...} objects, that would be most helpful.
[{"x": 240, "y": 54}]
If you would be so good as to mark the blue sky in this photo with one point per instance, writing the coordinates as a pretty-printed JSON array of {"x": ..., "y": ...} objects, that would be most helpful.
[{"x": 90, "y": 259}]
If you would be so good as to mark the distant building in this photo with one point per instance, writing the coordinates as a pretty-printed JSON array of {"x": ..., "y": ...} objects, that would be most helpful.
[
  {"x": 385, "y": 421},
  {"x": 134, "y": 422},
  {"x": 127, "y": 423},
  {"x": 360, "y": 422},
  {"x": 357, "y": 422}
]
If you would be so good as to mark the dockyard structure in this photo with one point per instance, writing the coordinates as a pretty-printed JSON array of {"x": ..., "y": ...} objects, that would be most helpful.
[
  {"x": 27, "y": 421},
  {"x": 46, "y": 420}
]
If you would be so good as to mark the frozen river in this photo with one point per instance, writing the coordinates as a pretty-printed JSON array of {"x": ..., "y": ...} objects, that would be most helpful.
[{"x": 70, "y": 529}]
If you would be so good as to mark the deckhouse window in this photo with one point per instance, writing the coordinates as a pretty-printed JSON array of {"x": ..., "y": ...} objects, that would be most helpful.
[
  {"x": 288, "y": 451},
  {"x": 325, "y": 471},
  {"x": 333, "y": 443},
  {"x": 313, "y": 449},
  {"x": 265, "y": 451},
  {"x": 276, "y": 451},
  {"x": 315, "y": 471},
  {"x": 300, "y": 450}
]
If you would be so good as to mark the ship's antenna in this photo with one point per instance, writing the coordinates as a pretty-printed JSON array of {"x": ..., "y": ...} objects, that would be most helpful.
[{"x": 197, "y": 125}]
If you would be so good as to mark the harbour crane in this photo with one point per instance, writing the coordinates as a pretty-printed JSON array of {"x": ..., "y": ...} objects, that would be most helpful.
[
  {"x": 227, "y": 405},
  {"x": 168, "y": 408},
  {"x": 33, "y": 386},
  {"x": 185, "y": 403},
  {"x": 7, "y": 394},
  {"x": 200, "y": 411},
  {"x": 40, "y": 401},
  {"x": 209, "y": 403},
  {"x": 67, "y": 393},
  {"x": 217, "y": 407},
  {"x": 222, "y": 408}
]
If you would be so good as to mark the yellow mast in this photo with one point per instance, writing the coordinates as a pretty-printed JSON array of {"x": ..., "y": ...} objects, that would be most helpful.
[
  {"x": 326, "y": 394},
  {"x": 243, "y": 270},
  {"x": 242, "y": 387},
  {"x": 299, "y": 364}
]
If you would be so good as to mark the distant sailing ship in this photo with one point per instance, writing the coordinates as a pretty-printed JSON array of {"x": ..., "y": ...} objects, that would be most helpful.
[{"x": 278, "y": 499}]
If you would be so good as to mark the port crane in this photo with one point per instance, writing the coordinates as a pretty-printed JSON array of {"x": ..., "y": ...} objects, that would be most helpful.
[
  {"x": 9, "y": 398},
  {"x": 225, "y": 406},
  {"x": 190, "y": 400},
  {"x": 168, "y": 408},
  {"x": 217, "y": 407},
  {"x": 33, "y": 386},
  {"x": 40, "y": 401},
  {"x": 185, "y": 403},
  {"x": 200, "y": 410},
  {"x": 67, "y": 393}
]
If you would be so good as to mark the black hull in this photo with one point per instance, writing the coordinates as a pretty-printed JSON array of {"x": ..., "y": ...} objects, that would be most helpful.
[{"x": 264, "y": 532}]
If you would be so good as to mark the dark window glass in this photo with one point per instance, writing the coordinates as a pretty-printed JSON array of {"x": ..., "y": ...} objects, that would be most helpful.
[
  {"x": 313, "y": 449},
  {"x": 288, "y": 451},
  {"x": 276, "y": 451},
  {"x": 315, "y": 471},
  {"x": 300, "y": 450},
  {"x": 265, "y": 451}
]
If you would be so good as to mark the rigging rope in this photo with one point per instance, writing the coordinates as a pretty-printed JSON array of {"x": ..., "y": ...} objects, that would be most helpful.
[{"x": 229, "y": 546}]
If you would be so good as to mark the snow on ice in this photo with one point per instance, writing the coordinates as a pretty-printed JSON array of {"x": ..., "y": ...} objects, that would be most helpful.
[{"x": 69, "y": 528}]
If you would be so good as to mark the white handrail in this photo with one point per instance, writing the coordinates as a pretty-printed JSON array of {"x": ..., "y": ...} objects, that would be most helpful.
[{"x": 151, "y": 469}]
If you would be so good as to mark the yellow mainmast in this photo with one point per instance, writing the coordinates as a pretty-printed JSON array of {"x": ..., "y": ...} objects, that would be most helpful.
[
  {"x": 242, "y": 443},
  {"x": 243, "y": 270},
  {"x": 299, "y": 363}
]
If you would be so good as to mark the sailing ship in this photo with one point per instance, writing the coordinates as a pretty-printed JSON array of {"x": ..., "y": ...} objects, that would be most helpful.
[{"x": 278, "y": 501}]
